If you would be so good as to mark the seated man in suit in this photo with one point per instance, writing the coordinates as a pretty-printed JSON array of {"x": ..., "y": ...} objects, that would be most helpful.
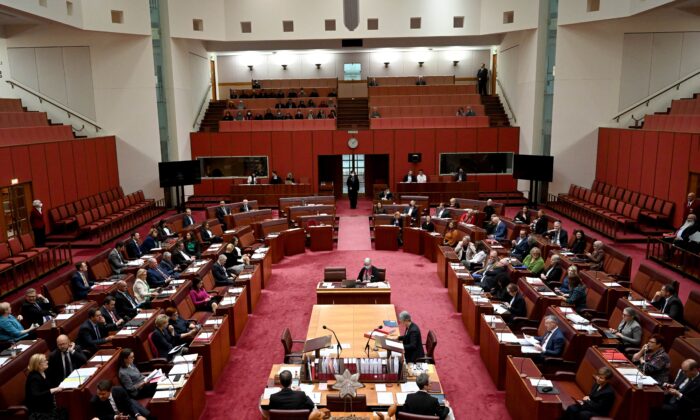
[
  {"x": 221, "y": 276},
  {"x": 409, "y": 177},
  {"x": 500, "y": 231},
  {"x": 167, "y": 266},
  {"x": 554, "y": 271},
  {"x": 597, "y": 257},
  {"x": 289, "y": 399},
  {"x": 411, "y": 339},
  {"x": 62, "y": 361},
  {"x": 221, "y": 212},
  {"x": 180, "y": 257},
  {"x": 116, "y": 258},
  {"x": 207, "y": 235},
  {"x": 36, "y": 309},
  {"x": 667, "y": 302},
  {"x": 386, "y": 195},
  {"x": 682, "y": 397},
  {"x": 539, "y": 226},
  {"x": 460, "y": 176},
  {"x": 133, "y": 247},
  {"x": 156, "y": 277},
  {"x": 552, "y": 342},
  {"x": 150, "y": 242},
  {"x": 275, "y": 179},
  {"x": 125, "y": 304},
  {"x": 111, "y": 402},
  {"x": 516, "y": 305},
  {"x": 368, "y": 272},
  {"x": 423, "y": 403},
  {"x": 521, "y": 246},
  {"x": 92, "y": 332},
  {"x": 245, "y": 207},
  {"x": 441, "y": 212},
  {"x": 108, "y": 309},
  {"x": 558, "y": 235},
  {"x": 412, "y": 210},
  {"x": 454, "y": 204},
  {"x": 598, "y": 402},
  {"x": 187, "y": 219},
  {"x": 681, "y": 237},
  {"x": 80, "y": 283}
]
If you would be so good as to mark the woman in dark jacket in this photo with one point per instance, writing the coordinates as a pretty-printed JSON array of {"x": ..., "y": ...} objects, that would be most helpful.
[
  {"x": 578, "y": 245},
  {"x": 38, "y": 392}
]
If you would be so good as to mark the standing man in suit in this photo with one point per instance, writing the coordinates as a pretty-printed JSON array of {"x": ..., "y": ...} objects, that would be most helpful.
[
  {"x": 244, "y": 206},
  {"x": 221, "y": 276},
  {"x": 80, "y": 283},
  {"x": 116, "y": 259},
  {"x": 353, "y": 184},
  {"x": 552, "y": 342},
  {"x": 692, "y": 206},
  {"x": 35, "y": 309},
  {"x": 368, "y": 272},
  {"x": 92, "y": 332},
  {"x": 133, "y": 248},
  {"x": 554, "y": 271},
  {"x": 558, "y": 235},
  {"x": 221, "y": 212},
  {"x": 482, "y": 78},
  {"x": 460, "y": 176},
  {"x": 667, "y": 302},
  {"x": 441, "y": 212},
  {"x": 683, "y": 395},
  {"x": 422, "y": 403},
  {"x": 409, "y": 177},
  {"x": 109, "y": 312},
  {"x": 411, "y": 339},
  {"x": 598, "y": 402},
  {"x": 125, "y": 304},
  {"x": 65, "y": 359},
  {"x": 187, "y": 219},
  {"x": 113, "y": 401},
  {"x": 289, "y": 399},
  {"x": 36, "y": 219}
]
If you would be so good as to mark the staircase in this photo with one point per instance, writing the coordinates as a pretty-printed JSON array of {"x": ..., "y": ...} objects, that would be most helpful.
[
  {"x": 494, "y": 110},
  {"x": 353, "y": 114},
  {"x": 211, "y": 119}
]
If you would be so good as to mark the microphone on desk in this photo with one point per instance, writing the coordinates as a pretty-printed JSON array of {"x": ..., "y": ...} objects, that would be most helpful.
[
  {"x": 339, "y": 347},
  {"x": 369, "y": 338}
]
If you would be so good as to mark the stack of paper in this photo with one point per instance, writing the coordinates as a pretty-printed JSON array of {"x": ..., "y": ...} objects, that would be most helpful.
[
  {"x": 164, "y": 395},
  {"x": 126, "y": 331},
  {"x": 203, "y": 336},
  {"x": 401, "y": 398},
  {"x": 500, "y": 309},
  {"x": 100, "y": 358},
  {"x": 187, "y": 358},
  {"x": 216, "y": 321},
  {"x": 385, "y": 398},
  {"x": 269, "y": 391},
  {"x": 529, "y": 350},
  {"x": 612, "y": 284},
  {"x": 507, "y": 338},
  {"x": 659, "y": 315},
  {"x": 74, "y": 307},
  {"x": 315, "y": 397},
  {"x": 245, "y": 276},
  {"x": 548, "y": 293},
  {"x": 63, "y": 316},
  {"x": 409, "y": 387},
  {"x": 540, "y": 382},
  {"x": 534, "y": 281},
  {"x": 228, "y": 300},
  {"x": 142, "y": 315},
  {"x": 235, "y": 290},
  {"x": 3, "y": 360},
  {"x": 181, "y": 369},
  {"x": 493, "y": 319}
]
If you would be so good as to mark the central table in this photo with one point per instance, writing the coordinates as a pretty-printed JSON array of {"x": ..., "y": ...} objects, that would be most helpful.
[{"x": 333, "y": 293}]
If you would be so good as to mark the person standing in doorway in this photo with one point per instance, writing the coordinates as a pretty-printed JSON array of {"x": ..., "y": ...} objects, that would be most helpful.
[
  {"x": 353, "y": 184},
  {"x": 482, "y": 77}
]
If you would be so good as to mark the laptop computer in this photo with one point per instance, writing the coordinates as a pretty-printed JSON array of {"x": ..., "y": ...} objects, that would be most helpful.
[{"x": 349, "y": 284}]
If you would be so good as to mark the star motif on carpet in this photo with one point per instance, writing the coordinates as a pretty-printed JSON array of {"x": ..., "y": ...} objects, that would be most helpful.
[{"x": 347, "y": 384}]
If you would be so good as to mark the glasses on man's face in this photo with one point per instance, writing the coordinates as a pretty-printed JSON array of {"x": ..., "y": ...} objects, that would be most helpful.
[{"x": 653, "y": 342}]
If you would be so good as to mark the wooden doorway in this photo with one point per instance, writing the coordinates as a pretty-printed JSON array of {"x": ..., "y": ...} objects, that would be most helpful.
[{"x": 494, "y": 73}]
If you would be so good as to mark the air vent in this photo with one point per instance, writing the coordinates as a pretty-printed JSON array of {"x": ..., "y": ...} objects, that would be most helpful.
[
  {"x": 508, "y": 17},
  {"x": 197, "y": 25},
  {"x": 246, "y": 27},
  {"x": 117, "y": 16},
  {"x": 593, "y": 6},
  {"x": 415, "y": 23},
  {"x": 69, "y": 8},
  {"x": 458, "y": 22},
  {"x": 330, "y": 25},
  {"x": 372, "y": 24},
  {"x": 288, "y": 25}
]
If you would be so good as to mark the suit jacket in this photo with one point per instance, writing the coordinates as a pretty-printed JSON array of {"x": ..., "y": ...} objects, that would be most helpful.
[
  {"x": 386, "y": 196},
  {"x": 631, "y": 332},
  {"x": 405, "y": 178},
  {"x": 77, "y": 285},
  {"x": 563, "y": 237},
  {"x": 411, "y": 211},
  {"x": 55, "y": 373},
  {"x": 517, "y": 306},
  {"x": 520, "y": 218},
  {"x": 111, "y": 322},
  {"x": 424, "y": 404},
  {"x": 553, "y": 273},
  {"x": 104, "y": 411},
  {"x": 36, "y": 219},
  {"x": 221, "y": 275},
  {"x": 34, "y": 313},
  {"x": 163, "y": 341},
  {"x": 541, "y": 226},
  {"x": 244, "y": 209},
  {"x": 521, "y": 248},
  {"x": 555, "y": 345},
  {"x": 500, "y": 232},
  {"x": 482, "y": 74},
  {"x": 374, "y": 277},
  {"x": 674, "y": 307},
  {"x": 691, "y": 395},
  {"x": 125, "y": 308},
  {"x": 221, "y": 213},
  {"x": 397, "y": 222},
  {"x": 87, "y": 337},
  {"x": 148, "y": 244},
  {"x": 577, "y": 298},
  {"x": 155, "y": 278},
  {"x": 444, "y": 213},
  {"x": 116, "y": 261},
  {"x": 578, "y": 246},
  {"x": 206, "y": 237},
  {"x": 275, "y": 180},
  {"x": 187, "y": 220},
  {"x": 179, "y": 258},
  {"x": 601, "y": 400},
  {"x": 167, "y": 267},
  {"x": 430, "y": 227},
  {"x": 287, "y": 399},
  {"x": 353, "y": 184},
  {"x": 133, "y": 250},
  {"x": 412, "y": 343},
  {"x": 37, "y": 391},
  {"x": 694, "y": 208}
]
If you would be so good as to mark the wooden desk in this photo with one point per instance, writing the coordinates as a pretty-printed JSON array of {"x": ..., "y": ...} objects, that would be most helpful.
[
  {"x": 171, "y": 297},
  {"x": 494, "y": 350},
  {"x": 234, "y": 305},
  {"x": 321, "y": 238},
  {"x": 666, "y": 326},
  {"x": 276, "y": 244},
  {"x": 522, "y": 399},
  {"x": 264, "y": 260},
  {"x": 386, "y": 238},
  {"x": 264, "y": 228},
  {"x": 294, "y": 241},
  {"x": 68, "y": 326},
  {"x": 457, "y": 277},
  {"x": 13, "y": 372},
  {"x": 213, "y": 251},
  {"x": 188, "y": 402},
  {"x": 196, "y": 269},
  {"x": 431, "y": 241},
  {"x": 412, "y": 240},
  {"x": 100, "y": 290},
  {"x": 565, "y": 259},
  {"x": 331, "y": 293},
  {"x": 137, "y": 338},
  {"x": 294, "y": 212},
  {"x": 440, "y": 191},
  {"x": 248, "y": 218},
  {"x": 473, "y": 306},
  {"x": 309, "y": 220},
  {"x": 285, "y": 203},
  {"x": 494, "y": 245},
  {"x": 252, "y": 281},
  {"x": 268, "y": 195},
  {"x": 445, "y": 256},
  {"x": 606, "y": 287},
  {"x": 214, "y": 349},
  {"x": 540, "y": 297}
]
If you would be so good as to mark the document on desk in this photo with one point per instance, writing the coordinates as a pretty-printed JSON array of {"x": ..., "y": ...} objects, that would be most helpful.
[
  {"x": 640, "y": 302},
  {"x": 267, "y": 392},
  {"x": 245, "y": 276},
  {"x": 307, "y": 388},
  {"x": 380, "y": 387},
  {"x": 3, "y": 360},
  {"x": 385, "y": 398},
  {"x": 530, "y": 339},
  {"x": 500, "y": 309},
  {"x": 228, "y": 300},
  {"x": 143, "y": 315},
  {"x": 177, "y": 282},
  {"x": 126, "y": 331},
  {"x": 216, "y": 321},
  {"x": 63, "y": 316},
  {"x": 540, "y": 382},
  {"x": 628, "y": 371},
  {"x": 164, "y": 395},
  {"x": 525, "y": 349},
  {"x": 492, "y": 319},
  {"x": 187, "y": 358},
  {"x": 659, "y": 315},
  {"x": 612, "y": 284},
  {"x": 548, "y": 293},
  {"x": 409, "y": 387},
  {"x": 534, "y": 281},
  {"x": 401, "y": 398},
  {"x": 181, "y": 368},
  {"x": 315, "y": 397},
  {"x": 507, "y": 338},
  {"x": 203, "y": 336},
  {"x": 235, "y": 290}
]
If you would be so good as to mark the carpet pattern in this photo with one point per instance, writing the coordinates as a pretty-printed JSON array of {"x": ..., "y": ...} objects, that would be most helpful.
[{"x": 353, "y": 233}]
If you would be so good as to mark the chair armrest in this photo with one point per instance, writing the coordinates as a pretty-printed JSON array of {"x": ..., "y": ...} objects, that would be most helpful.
[
  {"x": 18, "y": 409},
  {"x": 529, "y": 330},
  {"x": 564, "y": 376},
  {"x": 518, "y": 322},
  {"x": 298, "y": 341},
  {"x": 624, "y": 283}
]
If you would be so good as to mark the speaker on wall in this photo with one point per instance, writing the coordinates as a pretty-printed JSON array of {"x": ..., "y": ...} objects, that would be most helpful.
[{"x": 415, "y": 157}]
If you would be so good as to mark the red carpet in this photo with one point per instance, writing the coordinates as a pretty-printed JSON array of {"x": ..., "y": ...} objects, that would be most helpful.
[
  {"x": 288, "y": 302},
  {"x": 353, "y": 234}
]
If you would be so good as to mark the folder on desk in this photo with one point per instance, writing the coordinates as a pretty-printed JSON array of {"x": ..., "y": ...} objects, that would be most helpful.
[
  {"x": 390, "y": 345},
  {"x": 316, "y": 344},
  {"x": 385, "y": 398}
]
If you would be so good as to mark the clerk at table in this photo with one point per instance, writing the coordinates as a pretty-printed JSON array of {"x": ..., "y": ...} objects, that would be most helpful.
[
  {"x": 287, "y": 398},
  {"x": 412, "y": 342},
  {"x": 422, "y": 403},
  {"x": 368, "y": 272}
]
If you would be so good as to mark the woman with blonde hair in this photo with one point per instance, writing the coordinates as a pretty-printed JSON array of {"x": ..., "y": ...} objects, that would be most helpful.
[
  {"x": 38, "y": 392},
  {"x": 142, "y": 291}
]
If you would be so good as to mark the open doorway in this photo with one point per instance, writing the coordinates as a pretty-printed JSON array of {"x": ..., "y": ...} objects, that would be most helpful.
[{"x": 371, "y": 170}]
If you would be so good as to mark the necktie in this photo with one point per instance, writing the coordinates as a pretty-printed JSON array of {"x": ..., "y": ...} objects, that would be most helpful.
[
  {"x": 45, "y": 317},
  {"x": 67, "y": 366},
  {"x": 545, "y": 339},
  {"x": 113, "y": 404},
  {"x": 85, "y": 282},
  {"x": 664, "y": 308},
  {"x": 97, "y": 331},
  {"x": 367, "y": 274},
  {"x": 131, "y": 301}
]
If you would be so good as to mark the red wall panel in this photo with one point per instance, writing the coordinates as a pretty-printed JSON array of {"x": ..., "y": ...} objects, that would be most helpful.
[
  {"x": 664, "y": 160},
  {"x": 221, "y": 186},
  {"x": 322, "y": 143},
  {"x": 112, "y": 163},
  {"x": 623, "y": 163},
  {"x": 6, "y": 171},
  {"x": 651, "y": 144},
  {"x": 302, "y": 159},
  {"x": 695, "y": 154},
  {"x": 102, "y": 169},
  {"x": 54, "y": 174},
  {"x": 240, "y": 143},
  {"x": 200, "y": 144},
  {"x": 81, "y": 172},
  {"x": 508, "y": 139},
  {"x": 602, "y": 155},
  {"x": 487, "y": 140},
  {"x": 613, "y": 147},
  {"x": 636, "y": 154},
  {"x": 39, "y": 178},
  {"x": 506, "y": 183},
  {"x": 383, "y": 141},
  {"x": 70, "y": 187},
  {"x": 91, "y": 163},
  {"x": 425, "y": 144},
  {"x": 205, "y": 188},
  {"x": 20, "y": 163},
  {"x": 679, "y": 170},
  {"x": 466, "y": 140},
  {"x": 486, "y": 182},
  {"x": 261, "y": 144},
  {"x": 221, "y": 145},
  {"x": 281, "y": 156},
  {"x": 404, "y": 143}
]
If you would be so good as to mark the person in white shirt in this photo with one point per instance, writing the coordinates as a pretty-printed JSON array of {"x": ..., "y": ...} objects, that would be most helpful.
[
  {"x": 422, "y": 178},
  {"x": 465, "y": 249}
]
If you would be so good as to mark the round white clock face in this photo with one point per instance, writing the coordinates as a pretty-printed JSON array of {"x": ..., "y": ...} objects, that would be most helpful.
[{"x": 353, "y": 143}]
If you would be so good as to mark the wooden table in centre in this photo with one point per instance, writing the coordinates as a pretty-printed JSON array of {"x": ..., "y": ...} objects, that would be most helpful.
[{"x": 332, "y": 293}]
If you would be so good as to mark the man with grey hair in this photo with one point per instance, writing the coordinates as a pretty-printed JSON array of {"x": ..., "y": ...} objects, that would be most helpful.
[
  {"x": 221, "y": 276},
  {"x": 422, "y": 403},
  {"x": 597, "y": 257},
  {"x": 36, "y": 219},
  {"x": 368, "y": 273},
  {"x": 552, "y": 342},
  {"x": 36, "y": 309},
  {"x": 168, "y": 267},
  {"x": 411, "y": 339},
  {"x": 554, "y": 271},
  {"x": 682, "y": 397},
  {"x": 156, "y": 276}
]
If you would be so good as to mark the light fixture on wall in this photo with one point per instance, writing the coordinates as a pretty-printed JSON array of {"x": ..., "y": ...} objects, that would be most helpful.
[
  {"x": 318, "y": 66},
  {"x": 250, "y": 67},
  {"x": 454, "y": 63},
  {"x": 14, "y": 181},
  {"x": 386, "y": 64},
  {"x": 420, "y": 63},
  {"x": 284, "y": 67}
]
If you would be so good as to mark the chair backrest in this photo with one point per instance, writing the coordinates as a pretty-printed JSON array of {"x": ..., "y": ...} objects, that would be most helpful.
[
  {"x": 334, "y": 274},
  {"x": 409, "y": 416},
  {"x": 15, "y": 246},
  {"x": 430, "y": 344},
  {"x": 289, "y": 414},
  {"x": 286, "y": 340},
  {"x": 381, "y": 274},
  {"x": 151, "y": 346},
  {"x": 335, "y": 403},
  {"x": 691, "y": 313}
]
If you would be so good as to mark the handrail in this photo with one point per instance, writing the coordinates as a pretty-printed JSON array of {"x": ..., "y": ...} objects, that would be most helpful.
[
  {"x": 677, "y": 84},
  {"x": 201, "y": 105},
  {"x": 510, "y": 108},
  {"x": 43, "y": 98}
]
